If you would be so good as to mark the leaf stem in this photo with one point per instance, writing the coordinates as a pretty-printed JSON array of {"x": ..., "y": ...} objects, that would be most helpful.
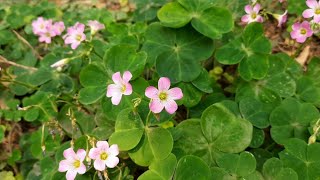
[{"x": 4, "y": 60}]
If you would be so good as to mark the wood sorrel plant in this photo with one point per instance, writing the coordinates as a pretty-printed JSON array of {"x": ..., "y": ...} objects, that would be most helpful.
[{"x": 183, "y": 89}]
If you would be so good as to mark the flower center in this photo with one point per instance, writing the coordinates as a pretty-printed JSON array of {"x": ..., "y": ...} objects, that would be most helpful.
[
  {"x": 76, "y": 164},
  {"x": 317, "y": 11},
  {"x": 253, "y": 15},
  {"x": 78, "y": 37},
  {"x": 163, "y": 96},
  {"x": 123, "y": 89},
  {"x": 103, "y": 156},
  {"x": 303, "y": 31},
  {"x": 48, "y": 34}
]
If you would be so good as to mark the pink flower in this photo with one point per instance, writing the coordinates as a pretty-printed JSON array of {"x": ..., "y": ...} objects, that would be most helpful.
[
  {"x": 73, "y": 163},
  {"x": 120, "y": 87},
  {"x": 314, "y": 10},
  {"x": 163, "y": 97},
  {"x": 47, "y": 35},
  {"x": 75, "y": 35},
  {"x": 252, "y": 14},
  {"x": 95, "y": 26},
  {"x": 301, "y": 31},
  {"x": 40, "y": 25},
  {"x": 104, "y": 155},
  {"x": 281, "y": 1},
  {"x": 58, "y": 27},
  {"x": 282, "y": 18}
]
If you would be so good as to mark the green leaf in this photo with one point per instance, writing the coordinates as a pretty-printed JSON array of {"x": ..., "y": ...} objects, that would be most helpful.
[
  {"x": 90, "y": 95},
  {"x": 273, "y": 169},
  {"x": 157, "y": 144},
  {"x": 178, "y": 14},
  {"x": 254, "y": 67},
  {"x": 224, "y": 130},
  {"x": 160, "y": 169},
  {"x": 177, "y": 52},
  {"x": 203, "y": 82},
  {"x": 302, "y": 158},
  {"x": 93, "y": 76},
  {"x": 125, "y": 58},
  {"x": 40, "y": 77},
  {"x": 292, "y": 119},
  {"x": 174, "y": 15},
  {"x": 239, "y": 165},
  {"x": 257, "y": 138},
  {"x": 222, "y": 23},
  {"x": 191, "y": 95},
  {"x": 129, "y": 129},
  {"x": 192, "y": 167},
  {"x": 2, "y": 131}
]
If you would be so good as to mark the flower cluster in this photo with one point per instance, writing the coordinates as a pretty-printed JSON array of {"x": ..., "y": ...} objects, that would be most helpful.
[
  {"x": 254, "y": 14},
  {"x": 161, "y": 98},
  {"x": 46, "y": 29},
  {"x": 301, "y": 31},
  {"x": 103, "y": 156}
]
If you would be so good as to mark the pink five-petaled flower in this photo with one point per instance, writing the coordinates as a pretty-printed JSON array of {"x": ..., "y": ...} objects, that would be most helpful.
[
  {"x": 120, "y": 87},
  {"x": 301, "y": 31},
  {"x": 104, "y": 155},
  {"x": 314, "y": 10},
  {"x": 73, "y": 163},
  {"x": 163, "y": 97},
  {"x": 95, "y": 26},
  {"x": 75, "y": 35},
  {"x": 40, "y": 25},
  {"x": 282, "y": 18},
  {"x": 58, "y": 27},
  {"x": 252, "y": 14}
]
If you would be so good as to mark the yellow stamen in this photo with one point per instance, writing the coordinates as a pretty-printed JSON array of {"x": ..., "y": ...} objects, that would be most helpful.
[
  {"x": 253, "y": 15},
  {"x": 103, "y": 156},
  {"x": 123, "y": 89},
  {"x": 163, "y": 96},
  {"x": 303, "y": 31},
  {"x": 78, "y": 37},
  {"x": 317, "y": 11},
  {"x": 76, "y": 164}
]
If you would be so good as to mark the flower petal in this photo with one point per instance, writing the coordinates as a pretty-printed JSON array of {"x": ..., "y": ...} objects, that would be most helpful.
[
  {"x": 312, "y": 3},
  {"x": 112, "y": 90},
  {"x": 175, "y": 93},
  {"x": 248, "y": 9},
  {"x": 257, "y": 8},
  {"x": 171, "y": 106},
  {"x": 128, "y": 89},
  {"x": 151, "y": 92},
  {"x": 112, "y": 161},
  {"x": 113, "y": 150},
  {"x": 103, "y": 145},
  {"x": 69, "y": 154},
  {"x": 81, "y": 153},
  {"x": 71, "y": 174},
  {"x": 75, "y": 44},
  {"x": 316, "y": 18},
  {"x": 82, "y": 169},
  {"x": 116, "y": 98},
  {"x": 116, "y": 77},
  {"x": 127, "y": 76},
  {"x": 64, "y": 165},
  {"x": 99, "y": 165},
  {"x": 94, "y": 153},
  {"x": 156, "y": 106},
  {"x": 308, "y": 13},
  {"x": 245, "y": 18},
  {"x": 163, "y": 83}
]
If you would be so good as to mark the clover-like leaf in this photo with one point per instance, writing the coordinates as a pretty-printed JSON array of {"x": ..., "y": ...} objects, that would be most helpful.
[
  {"x": 250, "y": 50},
  {"x": 177, "y": 53},
  {"x": 238, "y": 165},
  {"x": 200, "y": 13},
  {"x": 292, "y": 119},
  {"x": 156, "y": 144},
  {"x": 160, "y": 169},
  {"x": 129, "y": 129},
  {"x": 302, "y": 158},
  {"x": 273, "y": 169},
  {"x": 125, "y": 58},
  {"x": 192, "y": 167}
]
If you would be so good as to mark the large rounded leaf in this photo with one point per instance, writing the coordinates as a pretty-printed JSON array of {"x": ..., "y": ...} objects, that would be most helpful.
[
  {"x": 227, "y": 132},
  {"x": 181, "y": 51},
  {"x": 174, "y": 15},
  {"x": 156, "y": 144},
  {"x": 273, "y": 169},
  {"x": 129, "y": 129},
  {"x": 292, "y": 119},
  {"x": 192, "y": 167}
]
